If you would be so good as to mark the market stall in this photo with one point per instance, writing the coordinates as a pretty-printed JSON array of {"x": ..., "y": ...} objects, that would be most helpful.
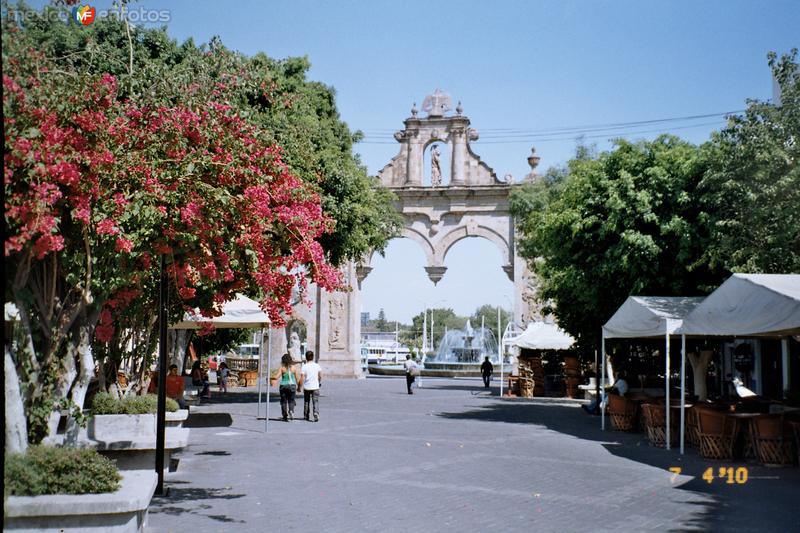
[
  {"x": 746, "y": 305},
  {"x": 240, "y": 313},
  {"x": 647, "y": 317},
  {"x": 539, "y": 336}
]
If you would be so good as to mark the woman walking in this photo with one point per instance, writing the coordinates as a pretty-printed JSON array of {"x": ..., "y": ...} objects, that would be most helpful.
[{"x": 288, "y": 387}]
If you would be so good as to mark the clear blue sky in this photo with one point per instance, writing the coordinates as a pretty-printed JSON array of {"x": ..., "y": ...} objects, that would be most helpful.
[{"x": 529, "y": 65}]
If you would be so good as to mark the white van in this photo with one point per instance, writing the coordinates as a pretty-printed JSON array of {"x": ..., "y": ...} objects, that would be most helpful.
[{"x": 248, "y": 351}]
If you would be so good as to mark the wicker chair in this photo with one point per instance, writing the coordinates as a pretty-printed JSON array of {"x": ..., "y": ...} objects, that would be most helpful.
[
  {"x": 717, "y": 434},
  {"x": 692, "y": 427},
  {"x": 656, "y": 426},
  {"x": 622, "y": 412},
  {"x": 773, "y": 443},
  {"x": 796, "y": 430}
]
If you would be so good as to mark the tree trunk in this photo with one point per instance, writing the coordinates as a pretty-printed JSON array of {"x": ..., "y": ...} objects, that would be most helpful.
[
  {"x": 65, "y": 380},
  {"x": 16, "y": 433},
  {"x": 178, "y": 343},
  {"x": 86, "y": 364},
  {"x": 699, "y": 369}
]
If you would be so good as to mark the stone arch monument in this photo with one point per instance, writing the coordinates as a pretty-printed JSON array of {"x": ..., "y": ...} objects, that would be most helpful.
[{"x": 475, "y": 203}]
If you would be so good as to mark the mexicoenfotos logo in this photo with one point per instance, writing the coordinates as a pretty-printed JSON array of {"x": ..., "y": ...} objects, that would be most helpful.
[{"x": 83, "y": 15}]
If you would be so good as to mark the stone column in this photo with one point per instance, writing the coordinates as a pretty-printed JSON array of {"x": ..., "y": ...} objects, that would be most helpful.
[
  {"x": 339, "y": 331},
  {"x": 415, "y": 162},
  {"x": 459, "y": 156}
]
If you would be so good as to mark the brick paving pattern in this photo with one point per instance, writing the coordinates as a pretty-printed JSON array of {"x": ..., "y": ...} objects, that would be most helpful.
[{"x": 450, "y": 457}]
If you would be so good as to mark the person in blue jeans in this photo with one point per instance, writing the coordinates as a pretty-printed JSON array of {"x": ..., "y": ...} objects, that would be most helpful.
[
  {"x": 287, "y": 386},
  {"x": 311, "y": 373}
]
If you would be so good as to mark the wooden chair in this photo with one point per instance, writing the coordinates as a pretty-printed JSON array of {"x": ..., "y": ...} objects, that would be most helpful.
[
  {"x": 796, "y": 430},
  {"x": 717, "y": 434},
  {"x": 692, "y": 427},
  {"x": 655, "y": 424},
  {"x": 773, "y": 443},
  {"x": 622, "y": 412}
]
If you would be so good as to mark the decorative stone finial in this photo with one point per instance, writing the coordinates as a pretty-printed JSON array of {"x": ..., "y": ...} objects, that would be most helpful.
[
  {"x": 437, "y": 104},
  {"x": 533, "y": 161},
  {"x": 414, "y": 110},
  {"x": 459, "y": 109}
]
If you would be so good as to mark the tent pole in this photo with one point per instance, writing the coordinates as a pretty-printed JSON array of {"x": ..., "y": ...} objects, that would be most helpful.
[
  {"x": 499, "y": 349},
  {"x": 603, "y": 385},
  {"x": 260, "y": 372},
  {"x": 683, "y": 389},
  {"x": 596, "y": 379},
  {"x": 269, "y": 356},
  {"x": 785, "y": 365},
  {"x": 666, "y": 386}
]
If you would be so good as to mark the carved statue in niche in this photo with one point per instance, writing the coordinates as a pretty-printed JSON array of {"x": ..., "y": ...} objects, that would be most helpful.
[
  {"x": 336, "y": 322},
  {"x": 436, "y": 169}
]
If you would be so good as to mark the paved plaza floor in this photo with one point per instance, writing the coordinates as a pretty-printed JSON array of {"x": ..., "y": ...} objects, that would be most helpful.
[{"x": 450, "y": 457}]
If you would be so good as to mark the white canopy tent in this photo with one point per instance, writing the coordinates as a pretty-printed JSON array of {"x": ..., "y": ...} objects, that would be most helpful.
[
  {"x": 641, "y": 317},
  {"x": 242, "y": 312},
  {"x": 746, "y": 305},
  {"x": 542, "y": 336}
]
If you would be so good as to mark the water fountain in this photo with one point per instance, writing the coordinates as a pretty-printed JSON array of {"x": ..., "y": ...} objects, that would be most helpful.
[{"x": 462, "y": 352}]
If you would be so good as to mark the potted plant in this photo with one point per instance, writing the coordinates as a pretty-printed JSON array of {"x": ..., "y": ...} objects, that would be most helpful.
[{"x": 68, "y": 489}]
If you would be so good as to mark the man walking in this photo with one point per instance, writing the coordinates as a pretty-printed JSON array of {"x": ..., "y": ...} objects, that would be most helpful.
[
  {"x": 486, "y": 371},
  {"x": 411, "y": 372},
  {"x": 311, "y": 374}
]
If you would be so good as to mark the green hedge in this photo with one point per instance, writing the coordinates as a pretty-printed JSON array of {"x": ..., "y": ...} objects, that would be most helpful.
[
  {"x": 49, "y": 470},
  {"x": 108, "y": 404}
]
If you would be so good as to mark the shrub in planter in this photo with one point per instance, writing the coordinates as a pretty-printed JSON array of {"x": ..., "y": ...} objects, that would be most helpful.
[
  {"x": 49, "y": 470},
  {"x": 107, "y": 404}
]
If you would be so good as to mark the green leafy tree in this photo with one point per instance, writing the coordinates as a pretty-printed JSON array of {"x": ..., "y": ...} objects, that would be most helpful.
[
  {"x": 751, "y": 191},
  {"x": 380, "y": 323},
  {"x": 488, "y": 314},
  {"x": 443, "y": 319},
  {"x": 624, "y": 222}
]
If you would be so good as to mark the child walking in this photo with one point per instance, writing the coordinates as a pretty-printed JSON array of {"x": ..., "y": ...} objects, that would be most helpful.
[{"x": 222, "y": 377}]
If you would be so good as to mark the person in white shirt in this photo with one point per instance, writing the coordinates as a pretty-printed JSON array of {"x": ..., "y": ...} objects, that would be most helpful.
[
  {"x": 411, "y": 372},
  {"x": 311, "y": 375}
]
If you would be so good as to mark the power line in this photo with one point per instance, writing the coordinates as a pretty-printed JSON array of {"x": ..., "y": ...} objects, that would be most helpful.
[
  {"x": 565, "y": 136},
  {"x": 511, "y": 133}
]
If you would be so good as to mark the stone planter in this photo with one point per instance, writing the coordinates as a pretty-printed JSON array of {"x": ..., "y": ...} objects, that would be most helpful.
[
  {"x": 122, "y": 511},
  {"x": 117, "y": 427},
  {"x": 177, "y": 418},
  {"x": 140, "y": 453}
]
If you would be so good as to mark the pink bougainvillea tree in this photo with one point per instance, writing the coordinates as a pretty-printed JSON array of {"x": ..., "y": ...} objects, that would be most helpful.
[{"x": 97, "y": 188}]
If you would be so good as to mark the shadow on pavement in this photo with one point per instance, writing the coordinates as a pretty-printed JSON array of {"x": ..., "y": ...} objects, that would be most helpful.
[
  {"x": 208, "y": 420},
  {"x": 240, "y": 396},
  {"x": 218, "y": 453},
  {"x": 177, "y": 495},
  {"x": 736, "y": 507}
]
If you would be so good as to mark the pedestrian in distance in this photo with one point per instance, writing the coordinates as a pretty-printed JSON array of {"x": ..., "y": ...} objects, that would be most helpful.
[
  {"x": 311, "y": 380},
  {"x": 200, "y": 379},
  {"x": 412, "y": 371},
  {"x": 287, "y": 386},
  {"x": 486, "y": 371},
  {"x": 222, "y": 377},
  {"x": 174, "y": 386}
]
